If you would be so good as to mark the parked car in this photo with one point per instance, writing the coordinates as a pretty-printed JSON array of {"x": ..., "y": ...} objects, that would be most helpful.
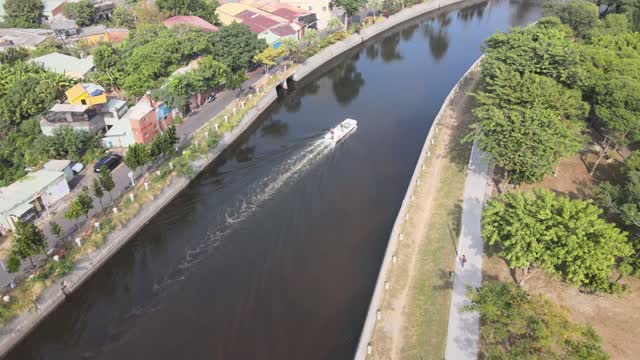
[
  {"x": 77, "y": 168},
  {"x": 111, "y": 161}
]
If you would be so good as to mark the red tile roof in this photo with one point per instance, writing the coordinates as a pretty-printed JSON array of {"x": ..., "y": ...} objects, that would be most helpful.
[
  {"x": 257, "y": 23},
  {"x": 283, "y": 30},
  {"x": 287, "y": 13},
  {"x": 194, "y": 21}
]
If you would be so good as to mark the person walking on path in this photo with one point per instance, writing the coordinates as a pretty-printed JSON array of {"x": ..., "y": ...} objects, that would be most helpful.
[{"x": 463, "y": 260}]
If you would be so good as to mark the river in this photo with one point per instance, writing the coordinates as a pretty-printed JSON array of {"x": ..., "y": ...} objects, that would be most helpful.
[{"x": 273, "y": 251}]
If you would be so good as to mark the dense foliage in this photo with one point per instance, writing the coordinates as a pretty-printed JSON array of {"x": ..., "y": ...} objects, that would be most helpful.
[
  {"x": 207, "y": 75},
  {"x": 23, "y": 13},
  {"x": 622, "y": 202},
  {"x": 28, "y": 241},
  {"x": 25, "y": 92},
  {"x": 153, "y": 52},
  {"x": 83, "y": 12},
  {"x": 516, "y": 325},
  {"x": 205, "y": 9},
  {"x": 561, "y": 236},
  {"x": 528, "y": 122}
]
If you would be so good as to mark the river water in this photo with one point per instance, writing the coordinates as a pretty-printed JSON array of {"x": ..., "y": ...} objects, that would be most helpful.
[{"x": 273, "y": 252}]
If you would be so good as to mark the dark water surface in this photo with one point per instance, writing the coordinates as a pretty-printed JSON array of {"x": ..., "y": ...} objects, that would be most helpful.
[{"x": 273, "y": 252}]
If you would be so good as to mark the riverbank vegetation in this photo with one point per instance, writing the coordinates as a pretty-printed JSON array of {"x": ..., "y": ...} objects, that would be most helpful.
[
  {"x": 516, "y": 325},
  {"x": 556, "y": 96}
]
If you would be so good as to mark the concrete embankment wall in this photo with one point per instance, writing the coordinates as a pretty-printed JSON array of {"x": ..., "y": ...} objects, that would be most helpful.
[
  {"x": 392, "y": 245},
  {"x": 21, "y": 326},
  {"x": 327, "y": 54}
]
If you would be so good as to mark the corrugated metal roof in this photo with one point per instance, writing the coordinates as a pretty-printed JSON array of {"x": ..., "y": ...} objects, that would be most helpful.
[
  {"x": 65, "y": 64},
  {"x": 23, "y": 190},
  {"x": 69, "y": 108}
]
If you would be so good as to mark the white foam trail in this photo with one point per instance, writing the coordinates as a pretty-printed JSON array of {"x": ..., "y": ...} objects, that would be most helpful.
[{"x": 287, "y": 173}]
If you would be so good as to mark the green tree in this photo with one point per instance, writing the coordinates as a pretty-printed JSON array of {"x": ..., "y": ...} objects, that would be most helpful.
[
  {"x": 516, "y": 325},
  {"x": 147, "y": 12},
  {"x": 13, "y": 263},
  {"x": 350, "y": 7},
  {"x": 539, "y": 230},
  {"x": 334, "y": 25},
  {"x": 235, "y": 46},
  {"x": 528, "y": 123},
  {"x": 83, "y": 12},
  {"x": 205, "y": 9},
  {"x": 268, "y": 57},
  {"x": 293, "y": 49},
  {"x": 123, "y": 16},
  {"x": 28, "y": 241},
  {"x": 541, "y": 49},
  {"x": 137, "y": 156},
  {"x": 80, "y": 206},
  {"x": 235, "y": 80},
  {"x": 14, "y": 54},
  {"x": 106, "y": 180},
  {"x": 23, "y": 13},
  {"x": 311, "y": 37},
  {"x": 582, "y": 16},
  {"x": 622, "y": 202},
  {"x": 105, "y": 57},
  {"x": 97, "y": 191},
  {"x": 56, "y": 229}
]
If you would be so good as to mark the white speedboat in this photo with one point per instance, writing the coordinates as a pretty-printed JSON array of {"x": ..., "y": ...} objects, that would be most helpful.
[{"x": 342, "y": 130}]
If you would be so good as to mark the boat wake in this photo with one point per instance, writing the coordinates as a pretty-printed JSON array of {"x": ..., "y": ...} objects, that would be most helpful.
[{"x": 285, "y": 174}]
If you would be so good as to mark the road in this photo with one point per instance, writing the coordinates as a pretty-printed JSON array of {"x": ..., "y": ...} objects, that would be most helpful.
[
  {"x": 191, "y": 123},
  {"x": 464, "y": 327}
]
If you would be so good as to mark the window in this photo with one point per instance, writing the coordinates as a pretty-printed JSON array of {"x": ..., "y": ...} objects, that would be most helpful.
[
  {"x": 310, "y": 8},
  {"x": 83, "y": 101},
  {"x": 324, "y": 8}
]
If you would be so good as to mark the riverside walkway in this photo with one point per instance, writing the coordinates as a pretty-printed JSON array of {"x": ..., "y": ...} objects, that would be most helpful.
[{"x": 464, "y": 327}]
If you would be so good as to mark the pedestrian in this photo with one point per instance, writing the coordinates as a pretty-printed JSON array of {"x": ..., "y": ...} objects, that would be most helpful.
[
  {"x": 463, "y": 260},
  {"x": 63, "y": 287}
]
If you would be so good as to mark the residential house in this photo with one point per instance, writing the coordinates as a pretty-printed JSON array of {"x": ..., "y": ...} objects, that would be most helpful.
[
  {"x": 104, "y": 10},
  {"x": 274, "y": 29},
  {"x": 86, "y": 94},
  {"x": 62, "y": 166},
  {"x": 83, "y": 117},
  {"x": 65, "y": 64},
  {"x": 64, "y": 28},
  {"x": 88, "y": 108},
  {"x": 26, "y": 198},
  {"x": 93, "y": 35},
  {"x": 194, "y": 21},
  {"x": 320, "y": 7},
  {"x": 140, "y": 124},
  {"x": 301, "y": 15},
  {"x": 26, "y": 38}
]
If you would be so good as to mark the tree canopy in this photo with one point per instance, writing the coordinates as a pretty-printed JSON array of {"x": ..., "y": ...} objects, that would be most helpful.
[
  {"x": 556, "y": 234},
  {"x": 528, "y": 123},
  {"x": 28, "y": 241},
  {"x": 516, "y": 325},
  {"x": 23, "y": 13},
  {"x": 622, "y": 202},
  {"x": 580, "y": 15},
  {"x": 205, "y": 9},
  {"x": 83, "y": 12}
]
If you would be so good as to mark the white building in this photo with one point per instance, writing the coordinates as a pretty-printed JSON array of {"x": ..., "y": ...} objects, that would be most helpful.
[{"x": 33, "y": 194}]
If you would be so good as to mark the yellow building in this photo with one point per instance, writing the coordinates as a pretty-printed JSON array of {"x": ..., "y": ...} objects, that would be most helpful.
[
  {"x": 86, "y": 94},
  {"x": 94, "y": 35}
]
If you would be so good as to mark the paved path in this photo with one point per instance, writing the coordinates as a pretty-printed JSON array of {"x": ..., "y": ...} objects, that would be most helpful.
[{"x": 462, "y": 336}]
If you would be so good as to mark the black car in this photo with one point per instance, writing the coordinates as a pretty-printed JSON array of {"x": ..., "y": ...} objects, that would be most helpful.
[{"x": 111, "y": 161}]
